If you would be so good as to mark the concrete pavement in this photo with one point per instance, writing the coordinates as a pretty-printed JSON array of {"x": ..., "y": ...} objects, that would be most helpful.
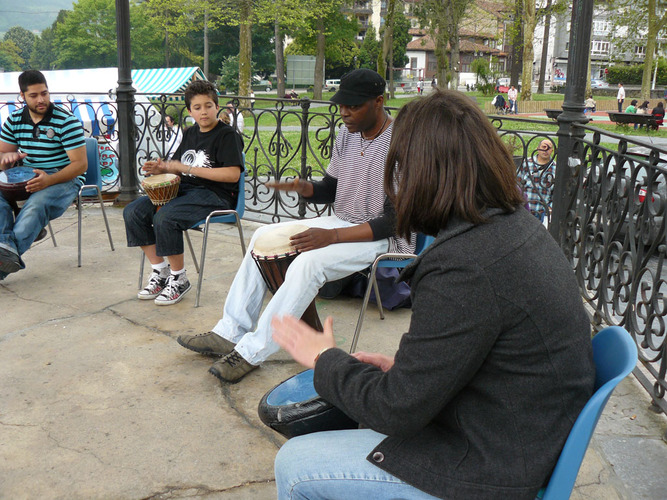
[{"x": 97, "y": 400}]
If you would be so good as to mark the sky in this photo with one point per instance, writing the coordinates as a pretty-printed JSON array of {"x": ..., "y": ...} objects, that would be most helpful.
[{"x": 33, "y": 15}]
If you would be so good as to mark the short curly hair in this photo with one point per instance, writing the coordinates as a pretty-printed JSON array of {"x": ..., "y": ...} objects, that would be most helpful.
[{"x": 200, "y": 87}]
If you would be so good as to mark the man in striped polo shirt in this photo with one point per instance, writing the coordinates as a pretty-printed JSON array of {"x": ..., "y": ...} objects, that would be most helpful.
[
  {"x": 332, "y": 248},
  {"x": 50, "y": 140}
]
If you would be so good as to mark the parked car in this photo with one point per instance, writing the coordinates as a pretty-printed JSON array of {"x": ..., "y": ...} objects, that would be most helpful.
[
  {"x": 599, "y": 84},
  {"x": 262, "y": 85},
  {"x": 503, "y": 85},
  {"x": 332, "y": 85}
]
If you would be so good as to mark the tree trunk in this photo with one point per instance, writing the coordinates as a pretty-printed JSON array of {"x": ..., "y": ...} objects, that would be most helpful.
[
  {"x": 387, "y": 41},
  {"x": 319, "y": 61},
  {"x": 654, "y": 26},
  {"x": 206, "y": 60},
  {"x": 245, "y": 49},
  {"x": 455, "y": 61},
  {"x": 166, "y": 48},
  {"x": 280, "y": 58},
  {"x": 391, "y": 70},
  {"x": 529, "y": 22},
  {"x": 545, "y": 48},
  {"x": 517, "y": 44}
]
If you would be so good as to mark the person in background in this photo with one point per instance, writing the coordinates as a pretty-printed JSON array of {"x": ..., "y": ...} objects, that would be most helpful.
[
  {"x": 252, "y": 99},
  {"x": 235, "y": 117},
  {"x": 485, "y": 386},
  {"x": 643, "y": 108},
  {"x": 632, "y": 108},
  {"x": 512, "y": 96},
  {"x": 620, "y": 97},
  {"x": 589, "y": 105},
  {"x": 174, "y": 136},
  {"x": 537, "y": 178},
  {"x": 659, "y": 113}
]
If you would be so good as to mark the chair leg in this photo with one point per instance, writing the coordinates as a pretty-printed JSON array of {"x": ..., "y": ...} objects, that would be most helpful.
[
  {"x": 202, "y": 261},
  {"x": 141, "y": 269},
  {"x": 240, "y": 228},
  {"x": 78, "y": 209},
  {"x": 362, "y": 313},
  {"x": 53, "y": 236},
  {"x": 378, "y": 299},
  {"x": 192, "y": 250}
]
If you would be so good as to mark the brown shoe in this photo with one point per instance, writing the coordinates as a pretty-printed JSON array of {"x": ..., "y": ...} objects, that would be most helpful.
[
  {"x": 209, "y": 344},
  {"x": 231, "y": 368}
]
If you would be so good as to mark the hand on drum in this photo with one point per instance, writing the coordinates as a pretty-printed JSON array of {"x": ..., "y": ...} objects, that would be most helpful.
[
  {"x": 382, "y": 361},
  {"x": 41, "y": 181},
  {"x": 153, "y": 167},
  {"x": 301, "y": 341},
  {"x": 313, "y": 238}
]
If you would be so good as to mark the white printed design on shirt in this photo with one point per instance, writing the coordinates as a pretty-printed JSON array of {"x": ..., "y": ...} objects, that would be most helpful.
[{"x": 196, "y": 158}]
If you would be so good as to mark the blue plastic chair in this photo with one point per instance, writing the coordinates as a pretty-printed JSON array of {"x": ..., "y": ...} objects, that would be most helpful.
[
  {"x": 615, "y": 356},
  {"x": 90, "y": 192},
  {"x": 395, "y": 260},
  {"x": 231, "y": 216}
]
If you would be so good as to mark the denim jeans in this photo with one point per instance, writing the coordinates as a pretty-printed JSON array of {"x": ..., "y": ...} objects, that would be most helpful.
[
  {"x": 241, "y": 322},
  {"x": 144, "y": 225},
  {"x": 41, "y": 207},
  {"x": 332, "y": 465}
]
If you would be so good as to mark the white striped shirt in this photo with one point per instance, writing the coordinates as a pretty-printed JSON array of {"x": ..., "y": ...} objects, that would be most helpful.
[{"x": 360, "y": 189}]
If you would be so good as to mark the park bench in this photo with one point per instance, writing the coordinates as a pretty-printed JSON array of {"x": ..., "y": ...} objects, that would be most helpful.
[
  {"x": 553, "y": 113},
  {"x": 632, "y": 118}
]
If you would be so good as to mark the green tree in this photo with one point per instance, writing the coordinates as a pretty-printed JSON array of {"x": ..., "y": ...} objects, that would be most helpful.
[
  {"x": 10, "y": 56},
  {"x": 369, "y": 50},
  {"x": 24, "y": 40}
]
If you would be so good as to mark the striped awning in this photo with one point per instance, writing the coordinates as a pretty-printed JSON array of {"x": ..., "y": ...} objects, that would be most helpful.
[{"x": 165, "y": 80}]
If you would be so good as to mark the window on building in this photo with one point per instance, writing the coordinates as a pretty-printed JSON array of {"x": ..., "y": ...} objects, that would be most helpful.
[
  {"x": 567, "y": 46},
  {"x": 598, "y": 47},
  {"x": 640, "y": 51},
  {"x": 413, "y": 63},
  {"x": 601, "y": 27}
]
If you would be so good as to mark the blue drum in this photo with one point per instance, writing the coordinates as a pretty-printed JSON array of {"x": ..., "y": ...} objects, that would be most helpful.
[
  {"x": 293, "y": 408},
  {"x": 13, "y": 182}
]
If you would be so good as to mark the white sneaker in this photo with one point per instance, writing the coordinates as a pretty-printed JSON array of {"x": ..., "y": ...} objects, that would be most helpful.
[
  {"x": 174, "y": 290},
  {"x": 155, "y": 285}
]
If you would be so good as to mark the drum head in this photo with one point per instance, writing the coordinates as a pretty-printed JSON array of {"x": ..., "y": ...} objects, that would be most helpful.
[
  {"x": 293, "y": 408},
  {"x": 17, "y": 175},
  {"x": 276, "y": 242},
  {"x": 159, "y": 180}
]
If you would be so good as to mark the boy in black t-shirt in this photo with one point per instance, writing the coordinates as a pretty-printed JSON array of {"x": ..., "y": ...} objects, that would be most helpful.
[{"x": 209, "y": 161}]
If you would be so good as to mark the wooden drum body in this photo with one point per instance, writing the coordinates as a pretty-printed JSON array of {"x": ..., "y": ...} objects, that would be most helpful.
[
  {"x": 161, "y": 188},
  {"x": 273, "y": 254},
  {"x": 293, "y": 408},
  {"x": 13, "y": 182}
]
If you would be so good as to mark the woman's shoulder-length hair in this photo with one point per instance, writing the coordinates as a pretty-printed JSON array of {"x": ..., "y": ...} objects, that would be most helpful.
[{"x": 446, "y": 160}]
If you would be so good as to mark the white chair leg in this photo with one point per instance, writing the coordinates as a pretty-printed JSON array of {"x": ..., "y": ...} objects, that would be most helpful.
[
  {"x": 192, "y": 250},
  {"x": 53, "y": 236},
  {"x": 141, "y": 269}
]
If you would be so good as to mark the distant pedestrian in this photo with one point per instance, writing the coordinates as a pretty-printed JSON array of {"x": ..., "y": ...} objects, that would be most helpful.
[
  {"x": 589, "y": 105},
  {"x": 512, "y": 96},
  {"x": 252, "y": 99},
  {"x": 433, "y": 84},
  {"x": 620, "y": 97},
  {"x": 420, "y": 83}
]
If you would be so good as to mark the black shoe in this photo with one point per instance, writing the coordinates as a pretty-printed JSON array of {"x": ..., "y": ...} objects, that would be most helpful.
[
  {"x": 9, "y": 261},
  {"x": 41, "y": 235}
]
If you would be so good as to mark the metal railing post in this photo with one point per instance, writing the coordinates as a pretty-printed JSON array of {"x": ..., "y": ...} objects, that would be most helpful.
[{"x": 305, "y": 106}]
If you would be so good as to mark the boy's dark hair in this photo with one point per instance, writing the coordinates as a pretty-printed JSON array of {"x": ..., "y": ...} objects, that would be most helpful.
[
  {"x": 200, "y": 87},
  {"x": 31, "y": 77}
]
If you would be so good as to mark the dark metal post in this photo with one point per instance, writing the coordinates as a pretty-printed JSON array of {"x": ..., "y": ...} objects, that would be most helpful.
[
  {"x": 305, "y": 171},
  {"x": 129, "y": 185},
  {"x": 573, "y": 109}
]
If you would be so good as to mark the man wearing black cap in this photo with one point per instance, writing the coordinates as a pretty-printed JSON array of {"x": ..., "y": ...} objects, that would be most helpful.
[{"x": 333, "y": 247}]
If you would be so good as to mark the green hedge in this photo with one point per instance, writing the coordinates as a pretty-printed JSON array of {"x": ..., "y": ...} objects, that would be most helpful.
[{"x": 632, "y": 74}]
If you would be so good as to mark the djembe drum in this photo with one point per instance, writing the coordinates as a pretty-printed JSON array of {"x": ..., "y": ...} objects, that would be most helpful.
[
  {"x": 13, "y": 182},
  {"x": 293, "y": 408},
  {"x": 161, "y": 188},
  {"x": 273, "y": 254}
]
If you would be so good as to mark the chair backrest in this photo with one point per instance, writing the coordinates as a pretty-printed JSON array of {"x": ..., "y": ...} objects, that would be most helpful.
[
  {"x": 423, "y": 241},
  {"x": 615, "y": 356},
  {"x": 93, "y": 173}
]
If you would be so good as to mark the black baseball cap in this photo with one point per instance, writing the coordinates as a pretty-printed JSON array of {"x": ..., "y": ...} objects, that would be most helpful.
[{"x": 358, "y": 86}]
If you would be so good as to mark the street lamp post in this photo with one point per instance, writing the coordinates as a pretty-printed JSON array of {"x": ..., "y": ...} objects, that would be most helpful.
[
  {"x": 573, "y": 110},
  {"x": 129, "y": 186}
]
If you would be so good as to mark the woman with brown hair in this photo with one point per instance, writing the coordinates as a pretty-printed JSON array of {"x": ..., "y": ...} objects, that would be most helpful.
[{"x": 496, "y": 366}]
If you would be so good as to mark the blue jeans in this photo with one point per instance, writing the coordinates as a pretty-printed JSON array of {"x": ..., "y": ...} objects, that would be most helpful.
[
  {"x": 41, "y": 207},
  {"x": 164, "y": 228},
  {"x": 332, "y": 465},
  {"x": 241, "y": 322}
]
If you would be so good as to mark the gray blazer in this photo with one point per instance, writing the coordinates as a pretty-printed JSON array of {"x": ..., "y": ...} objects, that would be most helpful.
[{"x": 493, "y": 372}]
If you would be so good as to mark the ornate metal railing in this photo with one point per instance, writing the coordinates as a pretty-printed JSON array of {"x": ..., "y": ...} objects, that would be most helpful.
[{"x": 616, "y": 190}]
